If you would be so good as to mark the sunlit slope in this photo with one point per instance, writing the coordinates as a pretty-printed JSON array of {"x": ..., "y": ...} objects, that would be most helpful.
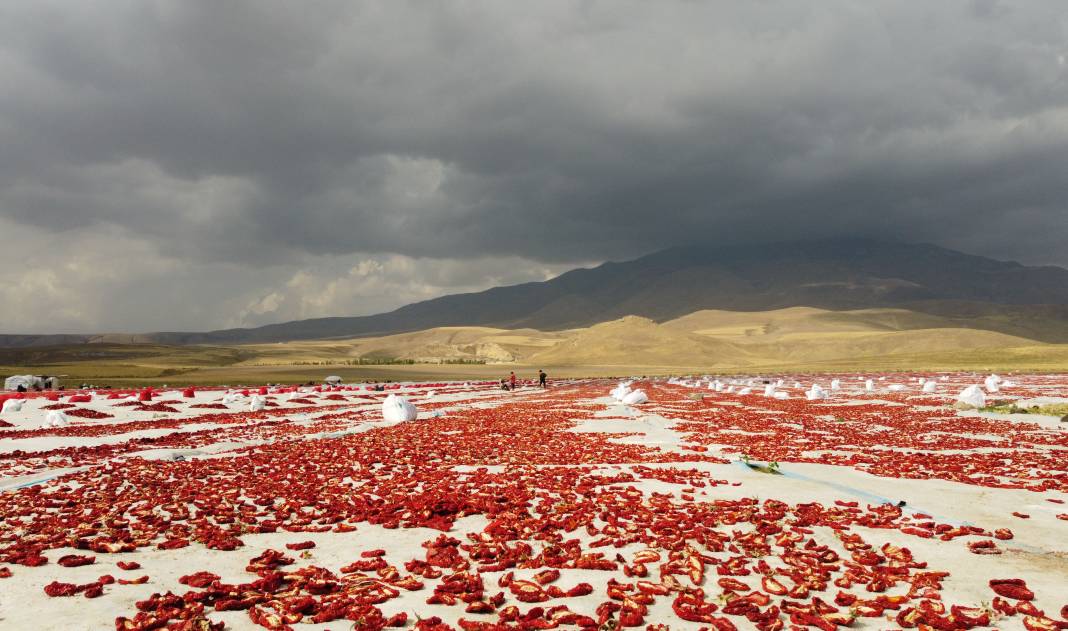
[
  {"x": 485, "y": 344},
  {"x": 639, "y": 341}
]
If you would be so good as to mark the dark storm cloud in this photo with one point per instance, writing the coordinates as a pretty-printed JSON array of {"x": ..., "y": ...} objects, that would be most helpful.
[{"x": 262, "y": 135}]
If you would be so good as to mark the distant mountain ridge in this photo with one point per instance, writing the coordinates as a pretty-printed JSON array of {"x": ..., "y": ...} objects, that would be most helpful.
[{"x": 830, "y": 274}]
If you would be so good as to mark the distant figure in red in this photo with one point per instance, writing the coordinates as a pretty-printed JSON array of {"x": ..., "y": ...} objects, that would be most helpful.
[{"x": 511, "y": 380}]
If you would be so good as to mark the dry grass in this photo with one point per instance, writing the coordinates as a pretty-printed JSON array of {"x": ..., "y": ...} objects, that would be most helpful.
[{"x": 797, "y": 339}]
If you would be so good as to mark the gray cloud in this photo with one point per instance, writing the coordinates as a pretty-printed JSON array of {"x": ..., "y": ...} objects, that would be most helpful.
[{"x": 226, "y": 149}]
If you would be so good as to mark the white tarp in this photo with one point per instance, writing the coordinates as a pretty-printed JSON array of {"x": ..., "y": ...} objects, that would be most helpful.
[
  {"x": 636, "y": 397},
  {"x": 398, "y": 409},
  {"x": 973, "y": 396}
]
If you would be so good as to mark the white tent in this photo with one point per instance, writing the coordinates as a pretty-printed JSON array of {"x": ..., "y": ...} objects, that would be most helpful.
[{"x": 26, "y": 381}]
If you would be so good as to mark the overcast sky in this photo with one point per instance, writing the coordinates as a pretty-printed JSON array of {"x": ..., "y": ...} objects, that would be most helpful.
[{"x": 192, "y": 165}]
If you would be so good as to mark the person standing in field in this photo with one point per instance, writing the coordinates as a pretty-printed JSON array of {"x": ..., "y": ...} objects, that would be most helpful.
[
  {"x": 511, "y": 380},
  {"x": 541, "y": 378}
]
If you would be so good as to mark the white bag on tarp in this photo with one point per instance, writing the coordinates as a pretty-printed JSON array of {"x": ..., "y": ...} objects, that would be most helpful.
[
  {"x": 972, "y": 396},
  {"x": 56, "y": 418},
  {"x": 398, "y": 409},
  {"x": 869, "y": 386},
  {"x": 815, "y": 393},
  {"x": 930, "y": 386},
  {"x": 635, "y": 398},
  {"x": 13, "y": 405},
  {"x": 620, "y": 391},
  {"x": 257, "y": 403},
  {"x": 992, "y": 383}
]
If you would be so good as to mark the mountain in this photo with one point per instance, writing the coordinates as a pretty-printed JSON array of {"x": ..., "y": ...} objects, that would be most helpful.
[{"x": 842, "y": 274}]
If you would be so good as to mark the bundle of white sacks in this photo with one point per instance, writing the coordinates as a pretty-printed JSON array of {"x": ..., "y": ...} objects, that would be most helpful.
[
  {"x": 973, "y": 396},
  {"x": 13, "y": 405},
  {"x": 56, "y": 418},
  {"x": 257, "y": 403},
  {"x": 398, "y": 409}
]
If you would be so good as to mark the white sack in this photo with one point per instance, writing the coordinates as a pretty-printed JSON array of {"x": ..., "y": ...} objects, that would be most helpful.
[
  {"x": 973, "y": 396},
  {"x": 398, "y": 409},
  {"x": 13, "y": 405},
  {"x": 634, "y": 398},
  {"x": 56, "y": 418}
]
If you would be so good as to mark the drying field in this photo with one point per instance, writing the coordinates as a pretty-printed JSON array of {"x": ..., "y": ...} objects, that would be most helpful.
[{"x": 870, "y": 509}]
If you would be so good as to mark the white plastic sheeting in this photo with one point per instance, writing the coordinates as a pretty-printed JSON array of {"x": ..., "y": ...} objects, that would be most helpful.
[
  {"x": 398, "y": 409},
  {"x": 636, "y": 397},
  {"x": 973, "y": 396}
]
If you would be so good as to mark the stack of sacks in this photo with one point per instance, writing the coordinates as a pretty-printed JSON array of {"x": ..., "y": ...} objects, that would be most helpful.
[
  {"x": 815, "y": 393},
  {"x": 635, "y": 398},
  {"x": 13, "y": 405},
  {"x": 930, "y": 386},
  {"x": 620, "y": 391},
  {"x": 769, "y": 390},
  {"x": 992, "y": 383},
  {"x": 869, "y": 386},
  {"x": 835, "y": 384},
  {"x": 56, "y": 418},
  {"x": 971, "y": 397},
  {"x": 257, "y": 404},
  {"x": 398, "y": 409}
]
